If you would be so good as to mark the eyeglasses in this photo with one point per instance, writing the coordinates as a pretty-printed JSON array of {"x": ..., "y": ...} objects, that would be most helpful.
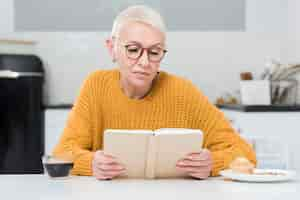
[{"x": 135, "y": 51}]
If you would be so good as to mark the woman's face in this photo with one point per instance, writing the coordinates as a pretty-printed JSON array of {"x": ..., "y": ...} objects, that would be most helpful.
[{"x": 138, "y": 51}]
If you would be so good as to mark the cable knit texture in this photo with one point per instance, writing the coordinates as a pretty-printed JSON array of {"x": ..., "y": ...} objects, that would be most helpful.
[{"x": 173, "y": 102}]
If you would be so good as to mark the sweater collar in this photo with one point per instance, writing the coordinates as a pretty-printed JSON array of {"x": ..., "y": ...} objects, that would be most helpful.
[{"x": 150, "y": 95}]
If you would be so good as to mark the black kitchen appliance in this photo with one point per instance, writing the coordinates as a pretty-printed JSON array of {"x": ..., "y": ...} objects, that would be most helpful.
[{"x": 21, "y": 114}]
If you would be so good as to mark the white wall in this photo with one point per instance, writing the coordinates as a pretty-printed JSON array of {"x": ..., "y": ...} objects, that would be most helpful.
[
  {"x": 6, "y": 16},
  {"x": 293, "y": 38},
  {"x": 294, "y": 31},
  {"x": 213, "y": 60},
  {"x": 297, "y": 32},
  {"x": 267, "y": 15}
]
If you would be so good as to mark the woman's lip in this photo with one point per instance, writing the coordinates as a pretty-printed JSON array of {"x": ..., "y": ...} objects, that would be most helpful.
[{"x": 142, "y": 73}]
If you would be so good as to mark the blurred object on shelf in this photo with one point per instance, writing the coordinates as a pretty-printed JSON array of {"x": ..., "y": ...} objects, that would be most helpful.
[
  {"x": 227, "y": 98},
  {"x": 255, "y": 92},
  {"x": 278, "y": 80},
  {"x": 271, "y": 67},
  {"x": 285, "y": 71},
  {"x": 220, "y": 101},
  {"x": 284, "y": 91},
  {"x": 246, "y": 76},
  {"x": 16, "y": 46},
  {"x": 251, "y": 88},
  {"x": 284, "y": 82}
]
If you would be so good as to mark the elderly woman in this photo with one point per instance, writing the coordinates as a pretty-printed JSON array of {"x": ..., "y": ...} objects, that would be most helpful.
[{"x": 138, "y": 95}]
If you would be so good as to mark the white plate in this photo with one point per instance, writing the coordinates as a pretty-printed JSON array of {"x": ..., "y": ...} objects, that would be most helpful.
[{"x": 280, "y": 175}]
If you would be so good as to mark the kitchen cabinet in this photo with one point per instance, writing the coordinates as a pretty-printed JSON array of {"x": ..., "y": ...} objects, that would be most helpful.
[{"x": 274, "y": 131}]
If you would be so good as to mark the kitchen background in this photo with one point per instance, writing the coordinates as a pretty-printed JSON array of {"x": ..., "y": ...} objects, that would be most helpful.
[{"x": 211, "y": 59}]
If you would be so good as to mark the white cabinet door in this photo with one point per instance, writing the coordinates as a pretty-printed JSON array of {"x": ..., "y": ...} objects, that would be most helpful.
[
  {"x": 274, "y": 131},
  {"x": 55, "y": 120}
]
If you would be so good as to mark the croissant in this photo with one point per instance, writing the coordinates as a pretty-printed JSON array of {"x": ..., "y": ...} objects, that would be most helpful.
[{"x": 242, "y": 165}]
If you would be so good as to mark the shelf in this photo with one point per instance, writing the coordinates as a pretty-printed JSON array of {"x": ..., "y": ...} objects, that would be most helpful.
[
  {"x": 261, "y": 108},
  {"x": 22, "y": 42}
]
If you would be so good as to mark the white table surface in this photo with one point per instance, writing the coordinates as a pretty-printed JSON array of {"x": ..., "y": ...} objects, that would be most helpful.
[{"x": 42, "y": 187}]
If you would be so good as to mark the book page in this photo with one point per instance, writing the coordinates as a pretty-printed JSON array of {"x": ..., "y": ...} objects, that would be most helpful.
[
  {"x": 173, "y": 145},
  {"x": 130, "y": 147}
]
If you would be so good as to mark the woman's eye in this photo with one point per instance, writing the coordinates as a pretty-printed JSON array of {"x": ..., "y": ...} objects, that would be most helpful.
[
  {"x": 133, "y": 50},
  {"x": 154, "y": 53}
]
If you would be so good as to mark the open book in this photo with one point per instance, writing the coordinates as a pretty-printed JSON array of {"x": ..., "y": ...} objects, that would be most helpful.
[{"x": 152, "y": 154}]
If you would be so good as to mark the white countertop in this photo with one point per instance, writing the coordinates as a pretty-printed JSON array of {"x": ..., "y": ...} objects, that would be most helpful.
[{"x": 42, "y": 187}]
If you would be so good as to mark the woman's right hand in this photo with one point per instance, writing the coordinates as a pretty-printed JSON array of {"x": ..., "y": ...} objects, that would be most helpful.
[{"x": 106, "y": 167}]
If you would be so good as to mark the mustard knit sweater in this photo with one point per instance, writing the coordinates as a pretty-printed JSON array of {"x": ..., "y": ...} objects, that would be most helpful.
[{"x": 173, "y": 102}]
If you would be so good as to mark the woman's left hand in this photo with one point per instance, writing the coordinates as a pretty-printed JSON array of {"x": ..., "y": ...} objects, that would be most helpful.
[{"x": 197, "y": 164}]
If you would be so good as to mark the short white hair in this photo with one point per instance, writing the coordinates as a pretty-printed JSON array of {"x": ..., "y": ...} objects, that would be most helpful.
[{"x": 138, "y": 13}]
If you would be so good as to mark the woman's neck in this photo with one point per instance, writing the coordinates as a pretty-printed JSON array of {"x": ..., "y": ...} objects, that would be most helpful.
[{"x": 135, "y": 92}]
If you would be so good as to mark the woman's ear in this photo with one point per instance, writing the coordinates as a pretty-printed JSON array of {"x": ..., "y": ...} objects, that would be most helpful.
[{"x": 110, "y": 47}]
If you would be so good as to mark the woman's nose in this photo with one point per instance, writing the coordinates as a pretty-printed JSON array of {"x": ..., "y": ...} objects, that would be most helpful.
[{"x": 144, "y": 60}]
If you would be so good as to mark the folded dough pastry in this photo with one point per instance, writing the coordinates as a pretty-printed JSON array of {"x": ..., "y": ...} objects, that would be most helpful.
[{"x": 242, "y": 165}]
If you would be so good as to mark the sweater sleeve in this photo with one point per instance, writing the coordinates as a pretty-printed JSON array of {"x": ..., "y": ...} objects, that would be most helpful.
[
  {"x": 76, "y": 140},
  {"x": 219, "y": 137}
]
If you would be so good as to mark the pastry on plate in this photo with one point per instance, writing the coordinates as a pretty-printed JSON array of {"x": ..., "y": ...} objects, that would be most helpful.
[{"x": 242, "y": 165}]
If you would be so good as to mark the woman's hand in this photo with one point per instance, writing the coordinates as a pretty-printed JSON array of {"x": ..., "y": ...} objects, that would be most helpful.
[
  {"x": 106, "y": 167},
  {"x": 197, "y": 165}
]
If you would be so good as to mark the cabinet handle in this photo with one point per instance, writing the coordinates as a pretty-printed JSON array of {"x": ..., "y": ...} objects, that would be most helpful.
[
  {"x": 8, "y": 74},
  {"x": 14, "y": 75}
]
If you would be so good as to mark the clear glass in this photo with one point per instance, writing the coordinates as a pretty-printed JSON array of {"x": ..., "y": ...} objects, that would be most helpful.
[{"x": 272, "y": 153}]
